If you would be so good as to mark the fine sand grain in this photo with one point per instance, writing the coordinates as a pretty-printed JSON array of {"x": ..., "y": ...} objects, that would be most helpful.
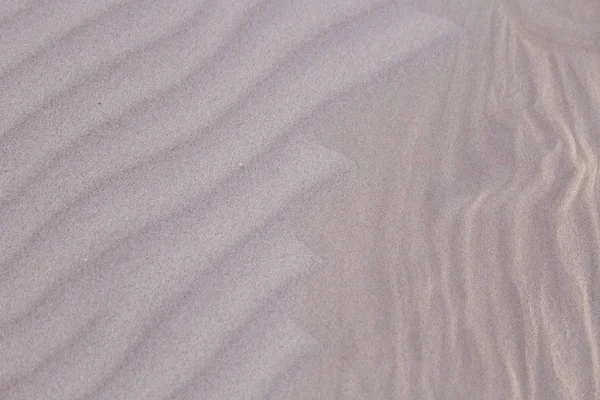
[{"x": 280, "y": 199}]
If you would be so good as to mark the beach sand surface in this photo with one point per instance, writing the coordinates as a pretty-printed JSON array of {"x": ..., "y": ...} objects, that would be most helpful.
[{"x": 278, "y": 199}]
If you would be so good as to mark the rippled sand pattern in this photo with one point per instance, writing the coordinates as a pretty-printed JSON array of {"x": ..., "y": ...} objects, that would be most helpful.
[{"x": 279, "y": 199}]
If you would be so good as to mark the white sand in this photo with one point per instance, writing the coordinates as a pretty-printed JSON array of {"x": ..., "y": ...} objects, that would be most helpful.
[{"x": 342, "y": 199}]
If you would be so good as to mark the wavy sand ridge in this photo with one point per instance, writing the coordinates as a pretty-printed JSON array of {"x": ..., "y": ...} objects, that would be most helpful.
[
  {"x": 276, "y": 199},
  {"x": 526, "y": 226},
  {"x": 499, "y": 280},
  {"x": 478, "y": 192},
  {"x": 149, "y": 153}
]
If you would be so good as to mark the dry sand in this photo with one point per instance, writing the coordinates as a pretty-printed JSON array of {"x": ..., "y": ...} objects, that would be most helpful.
[{"x": 280, "y": 199}]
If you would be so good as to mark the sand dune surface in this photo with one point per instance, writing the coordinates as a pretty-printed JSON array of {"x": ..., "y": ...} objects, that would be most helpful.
[{"x": 278, "y": 199}]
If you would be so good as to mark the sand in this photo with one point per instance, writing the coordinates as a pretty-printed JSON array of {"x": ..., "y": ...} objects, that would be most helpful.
[{"x": 278, "y": 199}]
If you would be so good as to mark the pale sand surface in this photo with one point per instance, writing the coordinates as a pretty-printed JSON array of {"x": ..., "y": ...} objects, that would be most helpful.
[{"x": 280, "y": 199}]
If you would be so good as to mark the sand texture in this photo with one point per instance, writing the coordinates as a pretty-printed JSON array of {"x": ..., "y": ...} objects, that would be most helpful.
[{"x": 281, "y": 199}]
